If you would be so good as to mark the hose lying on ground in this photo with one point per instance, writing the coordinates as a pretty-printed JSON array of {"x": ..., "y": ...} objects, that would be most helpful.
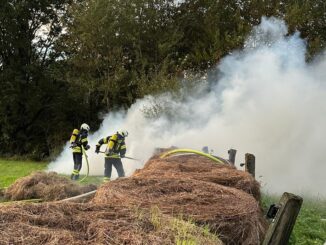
[
  {"x": 192, "y": 151},
  {"x": 87, "y": 164}
]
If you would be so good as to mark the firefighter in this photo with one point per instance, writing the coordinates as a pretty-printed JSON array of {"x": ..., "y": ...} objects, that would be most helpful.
[
  {"x": 77, "y": 140},
  {"x": 115, "y": 150}
]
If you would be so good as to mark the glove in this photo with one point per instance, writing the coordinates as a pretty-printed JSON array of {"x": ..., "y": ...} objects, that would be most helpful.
[
  {"x": 73, "y": 145},
  {"x": 122, "y": 156},
  {"x": 97, "y": 149},
  {"x": 87, "y": 147}
]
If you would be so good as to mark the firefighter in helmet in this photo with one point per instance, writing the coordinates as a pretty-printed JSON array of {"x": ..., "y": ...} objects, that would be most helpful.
[
  {"x": 78, "y": 140},
  {"x": 115, "y": 150}
]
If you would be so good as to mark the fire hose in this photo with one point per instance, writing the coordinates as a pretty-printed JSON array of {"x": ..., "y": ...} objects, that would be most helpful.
[
  {"x": 131, "y": 158},
  {"x": 215, "y": 159},
  {"x": 87, "y": 164}
]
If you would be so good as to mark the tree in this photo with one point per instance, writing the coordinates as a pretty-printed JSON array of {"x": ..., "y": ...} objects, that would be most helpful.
[
  {"x": 29, "y": 93},
  {"x": 64, "y": 61},
  {"x": 308, "y": 17},
  {"x": 115, "y": 48}
]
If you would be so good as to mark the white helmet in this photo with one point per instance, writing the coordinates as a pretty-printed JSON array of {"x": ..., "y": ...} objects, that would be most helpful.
[
  {"x": 123, "y": 133},
  {"x": 85, "y": 127}
]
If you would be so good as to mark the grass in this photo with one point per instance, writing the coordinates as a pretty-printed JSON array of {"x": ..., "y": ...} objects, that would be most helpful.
[
  {"x": 12, "y": 170},
  {"x": 96, "y": 180},
  {"x": 310, "y": 226},
  {"x": 184, "y": 232}
]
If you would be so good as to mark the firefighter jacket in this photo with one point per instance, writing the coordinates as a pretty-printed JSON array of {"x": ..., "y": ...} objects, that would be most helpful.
[
  {"x": 116, "y": 146},
  {"x": 78, "y": 139}
]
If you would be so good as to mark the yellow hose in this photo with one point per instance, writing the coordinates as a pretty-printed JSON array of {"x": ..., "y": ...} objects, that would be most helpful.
[
  {"x": 191, "y": 151},
  {"x": 87, "y": 164}
]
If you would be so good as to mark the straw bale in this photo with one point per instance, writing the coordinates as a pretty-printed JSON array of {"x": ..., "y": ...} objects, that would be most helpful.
[
  {"x": 46, "y": 186},
  {"x": 200, "y": 168},
  {"x": 233, "y": 214},
  {"x": 182, "y": 187},
  {"x": 70, "y": 223}
]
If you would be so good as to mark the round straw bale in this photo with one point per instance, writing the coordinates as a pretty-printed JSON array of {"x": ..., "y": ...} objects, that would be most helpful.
[
  {"x": 200, "y": 168},
  {"x": 233, "y": 214},
  {"x": 46, "y": 186},
  {"x": 70, "y": 223}
]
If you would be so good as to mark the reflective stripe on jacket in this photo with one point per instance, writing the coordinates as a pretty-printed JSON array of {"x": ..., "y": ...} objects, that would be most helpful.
[
  {"x": 79, "y": 138},
  {"x": 115, "y": 146}
]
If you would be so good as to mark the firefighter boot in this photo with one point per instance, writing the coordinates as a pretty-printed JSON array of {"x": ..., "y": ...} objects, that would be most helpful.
[{"x": 106, "y": 179}]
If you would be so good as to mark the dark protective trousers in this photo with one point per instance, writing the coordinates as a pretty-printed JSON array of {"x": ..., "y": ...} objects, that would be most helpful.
[
  {"x": 77, "y": 160},
  {"x": 116, "y": 162},
  {"x": 77, "y": 165}
]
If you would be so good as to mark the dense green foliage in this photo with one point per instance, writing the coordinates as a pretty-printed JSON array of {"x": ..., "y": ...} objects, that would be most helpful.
[
  {"x": 100, "y": 55},
  {"x": 33, "y": 108}
]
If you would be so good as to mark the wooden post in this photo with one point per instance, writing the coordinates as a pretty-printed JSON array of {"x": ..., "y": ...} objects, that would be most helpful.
[
  {"x": 205, "y": 149},
  {"x": 250, "y": 164},
  {"x": 281, "y": 227},
  {"x": 232, "y": 153}
]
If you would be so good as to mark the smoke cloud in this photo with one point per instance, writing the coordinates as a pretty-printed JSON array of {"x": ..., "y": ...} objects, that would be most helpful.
[{"x": 266, "y": 100}]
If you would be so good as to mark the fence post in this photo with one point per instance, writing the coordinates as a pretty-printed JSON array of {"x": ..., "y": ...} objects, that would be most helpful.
[
  {"x": 232, "y": 153},
  {"x": 280, "y": 229},
  {"x": 205, "y": 149},
  {"x": 250, "y": 164}
]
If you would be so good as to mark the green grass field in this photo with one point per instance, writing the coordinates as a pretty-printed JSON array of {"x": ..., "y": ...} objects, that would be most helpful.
[
  {"x": 310, "y": 227},
  {"x": 12, "y": 170}
]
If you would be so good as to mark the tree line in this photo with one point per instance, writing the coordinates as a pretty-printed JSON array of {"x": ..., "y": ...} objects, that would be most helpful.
[{"x": 62, "y": 62}]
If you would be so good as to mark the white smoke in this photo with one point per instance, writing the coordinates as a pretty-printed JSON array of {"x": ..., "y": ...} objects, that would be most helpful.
[
  {"x": 178, "y": 2},
  {"x": 267, "y": 101}
]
